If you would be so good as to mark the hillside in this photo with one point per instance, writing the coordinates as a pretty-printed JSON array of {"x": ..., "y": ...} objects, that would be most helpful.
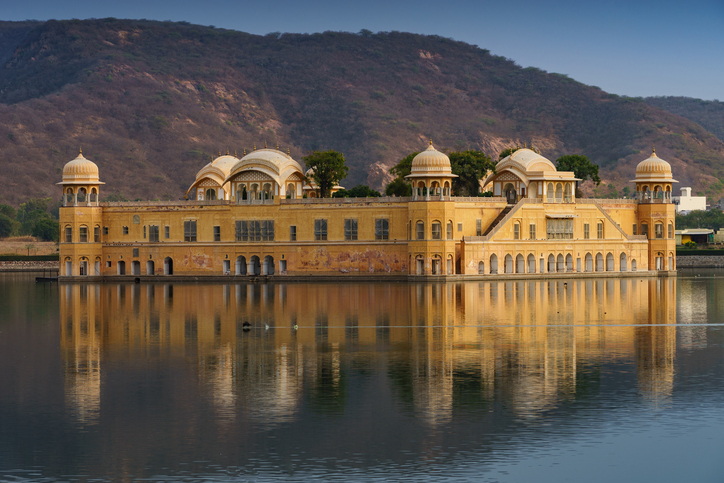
[
  {"x": 708, "y": 114},
  {"x": 150, "y": 102}
]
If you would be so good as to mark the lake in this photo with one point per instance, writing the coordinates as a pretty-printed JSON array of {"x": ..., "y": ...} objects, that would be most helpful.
[{"x": 579, "y": 380}]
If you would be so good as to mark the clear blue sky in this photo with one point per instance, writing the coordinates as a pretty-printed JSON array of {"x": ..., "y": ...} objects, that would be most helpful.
[{"x": 635, "y": 48}]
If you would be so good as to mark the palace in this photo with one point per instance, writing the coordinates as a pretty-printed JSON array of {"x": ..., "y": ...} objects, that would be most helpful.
[{"x": 258, "y": 216}]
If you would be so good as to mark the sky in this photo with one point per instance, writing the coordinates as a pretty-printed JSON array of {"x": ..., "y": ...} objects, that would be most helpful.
[{"x": 633, "y": 48}]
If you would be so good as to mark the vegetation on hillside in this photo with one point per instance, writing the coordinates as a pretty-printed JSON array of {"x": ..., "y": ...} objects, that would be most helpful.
[
  {"x": 708, "y": 114},
  {"x": 710, "y": 219},
  {"x": 152, "y": 102}
]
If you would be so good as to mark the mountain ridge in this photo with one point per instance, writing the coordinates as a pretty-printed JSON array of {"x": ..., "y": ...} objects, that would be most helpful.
[{"x": 151, "y": 103}]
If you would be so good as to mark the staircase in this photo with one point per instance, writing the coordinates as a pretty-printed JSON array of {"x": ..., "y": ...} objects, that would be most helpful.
[{"x": 497, "y": 220}]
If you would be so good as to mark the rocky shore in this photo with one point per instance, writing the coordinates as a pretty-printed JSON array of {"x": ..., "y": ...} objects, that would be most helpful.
[{"x": 713, "y": 261}]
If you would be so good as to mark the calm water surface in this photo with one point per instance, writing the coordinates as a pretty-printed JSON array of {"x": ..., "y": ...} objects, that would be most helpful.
[{"x": 596, "y": 380}]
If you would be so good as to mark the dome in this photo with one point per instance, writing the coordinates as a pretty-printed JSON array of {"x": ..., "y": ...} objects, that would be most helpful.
[
  {"x": 653, "y": 167},
  {"x": 431, "y": 162},
  {"x": 225, "y": 163},
  {"x": 274, "y": 162},
  {"x": 80, "y": 170},
  {"x": 526, "y": 160}
]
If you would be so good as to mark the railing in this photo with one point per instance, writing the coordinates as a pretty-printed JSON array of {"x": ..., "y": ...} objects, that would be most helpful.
[{"x": 342, "y": 201}]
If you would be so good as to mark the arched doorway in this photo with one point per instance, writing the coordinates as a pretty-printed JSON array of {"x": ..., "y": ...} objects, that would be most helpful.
[
  {"x": 633, "y": 265},
  {"x": 531, "y": 263},
  {"x": 622, "y": 262},
  {"x": 599, "y": 262},
  {"x": 510, "y": 195},
  {"x": 420, "y": 265},
  {"x": 83, "y": 267},
  {"x": 168, "y": 266},
  {"x": 589, "y": 262},
  {"x": 508, "y": 264},
  {"x": 481, "y": 268},
  {"x": 551, "y": 263},
  {"x": 268, "y": 265},
  {"x": 519, "y": 264},
  {"x": 609, "y": 262},
  {"x": 121, "y": 267},
  {"x": 436, "y": 262},
  {"x": 671, "y": 261},
  {"x": 136, "y": 267},
  {"x": 560, "y": 264},
  {"x": 449, "y": 265},
  {"x": 150, "y": 268},
  {"x": 254, "y": 266},
  {"x": 493, "y": 263},
  {"x": 240, "y": 268},
  {"x": 210, "y": 194},
  {"x": 569, "y": 263}
]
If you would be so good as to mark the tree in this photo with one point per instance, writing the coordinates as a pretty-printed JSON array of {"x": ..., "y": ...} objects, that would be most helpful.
[
  {"x": 404, "y": 167},
  {"x": 6, "y": 225},
  {"x": 398, "y": 187},
  {"x": 328, "y": 168},
  {"x": 8, "y": 211},
  {"x": 471, "y": 166},
  {"x": 31, "y": 212},
  {"x": 507, "y": 152},
  {"x": 46, "y": 229},
  {"x": 359, "y": 191},
  {"x": 581, "y": 166}
]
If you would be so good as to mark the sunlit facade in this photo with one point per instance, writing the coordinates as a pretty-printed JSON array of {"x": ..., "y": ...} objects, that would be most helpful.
[{"x": 256, "y": 216}]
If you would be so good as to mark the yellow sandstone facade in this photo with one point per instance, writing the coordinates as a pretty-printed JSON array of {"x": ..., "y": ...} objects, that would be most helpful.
[{"x": 249, "y": 217}]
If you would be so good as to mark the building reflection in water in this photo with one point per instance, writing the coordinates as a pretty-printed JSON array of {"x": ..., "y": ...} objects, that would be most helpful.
[{"x": 267, "y": 350}]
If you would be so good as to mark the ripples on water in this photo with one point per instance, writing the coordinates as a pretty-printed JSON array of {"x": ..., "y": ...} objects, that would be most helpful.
[{"x": 596, "y": 380}]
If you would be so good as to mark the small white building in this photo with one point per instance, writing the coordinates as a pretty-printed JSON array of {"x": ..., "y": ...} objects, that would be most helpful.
[{"x": 686, "y": 203}]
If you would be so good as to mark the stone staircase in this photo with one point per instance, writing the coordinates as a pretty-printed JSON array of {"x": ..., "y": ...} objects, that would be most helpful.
[{"x": 497, "y": 220}]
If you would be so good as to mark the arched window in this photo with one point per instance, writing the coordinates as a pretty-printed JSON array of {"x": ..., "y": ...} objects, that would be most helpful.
[
  {"x": 68, "y": 234},
  {"x": 508, "y": 263},
  {"x": 449, "y": 230},
  {"x": 645, "y": 229},
  {"x": 136, "y": 219},
  {"x": 83, "y": 234},
  {"x": 550, "y": 193},
  {"x": 291, "y": 191},
  {"x": 81, "y": 194},
  {"x": 659, "y": 230},
  {"x": 568, "y": 193},
  {"x": 211, "y": 194},
  {"x": 436, "y": 229},
  {"x": 559, "y": 193},
  {"x": 493, "y": 263},
  {"x": 516, "y": 231},
  {"x": 481, "y": 268},
  {"x": 671, "y": 230},
  {"x": 420, "y": 230}
]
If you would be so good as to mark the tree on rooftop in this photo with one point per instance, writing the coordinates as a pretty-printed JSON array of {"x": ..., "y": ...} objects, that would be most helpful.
[
  {"x": 581, "y": 166},
  {"x": 328, "y": 168},
  {"x": 471, "y": 166}
]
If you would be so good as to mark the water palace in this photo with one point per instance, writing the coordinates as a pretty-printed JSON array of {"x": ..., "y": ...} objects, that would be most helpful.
[{"x": 250, "y": 217}]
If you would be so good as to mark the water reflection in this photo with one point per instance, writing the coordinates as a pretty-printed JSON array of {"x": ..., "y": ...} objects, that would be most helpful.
[{"x": 267, "y": 351}]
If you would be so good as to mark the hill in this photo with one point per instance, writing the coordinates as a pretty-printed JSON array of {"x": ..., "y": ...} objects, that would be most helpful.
[
  {"x": 150, "y": 102},
  {"x": 708, "y": 114}
]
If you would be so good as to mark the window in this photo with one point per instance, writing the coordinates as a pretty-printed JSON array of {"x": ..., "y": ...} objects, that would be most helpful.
[
  {"x": 167, "y": 231},
  {"x": 586, "y": 231},
  {"x": 135, "y": 253},
  {"x": 144, "y": 232},
  {"x": 255, "y": 230},
  {"x": 560, "y": 229},
  {"x": 96, "y": 234},
  {"x": 478, "y": 227},
  {"x": 599, "y": 230},
  {"x": 153, "y": 233},
  {"x": 68, "y": 234},
  {"x": 217, "y": 233},
  {"x": 436, "y": 230},
  {"x": 420, "y": 230},
  {"x": 136, "y": 220},
  {"x": 125, "y": 230},
  {"x": 350, "y": 229},
  {"x": 531, "y": 231},
  {"x": 634, "y": 228},
  {"x": 293, "y": 233},
  {"x": 83, "y": 234},
  {"x": 671, "y": 230},
  {"x": 516, "y": 231},
  {"x": 449, "y": 230},
  {"x": 645, "y": 229},
  {"x": 320, "y": 229},
  {"x": 105, "y": 230},
  {"x": 382, "y": 229},
  {"x": 190, "y": 230},
  {"x": 659, "y": 230},
  {"x": 460, "y": 227},
  {"x": 108, "y": 264}
]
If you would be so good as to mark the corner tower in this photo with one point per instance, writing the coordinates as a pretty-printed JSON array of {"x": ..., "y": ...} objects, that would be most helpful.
[
  {"x": 656, "y": 212},
  {"x": 80, "y": 219}
]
